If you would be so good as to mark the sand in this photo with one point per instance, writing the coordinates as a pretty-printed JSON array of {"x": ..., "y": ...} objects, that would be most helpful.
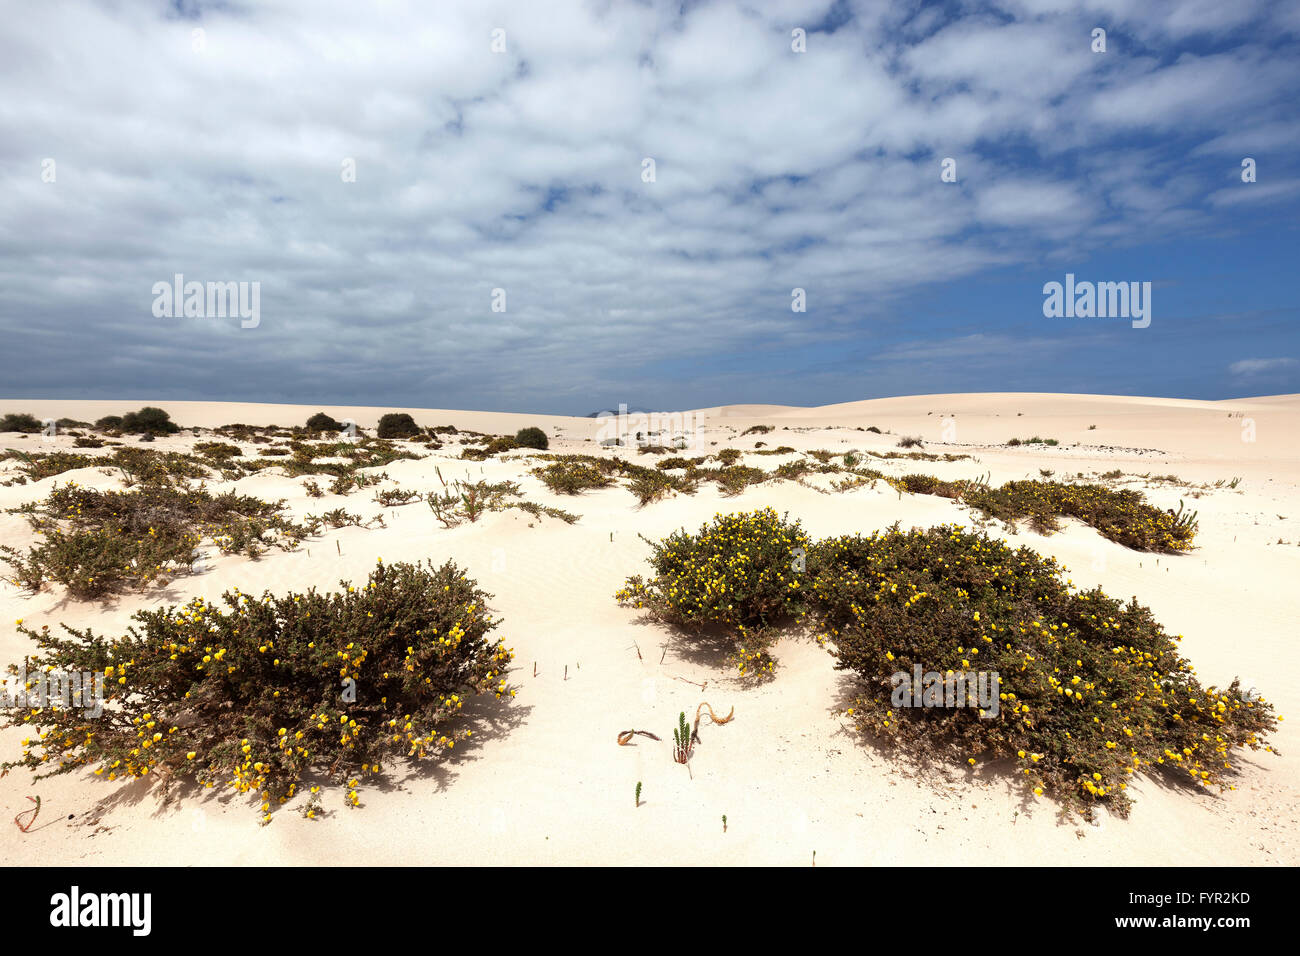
[{"x": 546, "y": 782}]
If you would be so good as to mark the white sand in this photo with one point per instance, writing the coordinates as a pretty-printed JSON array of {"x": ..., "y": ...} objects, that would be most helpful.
[{"x": 549, "y": 784}]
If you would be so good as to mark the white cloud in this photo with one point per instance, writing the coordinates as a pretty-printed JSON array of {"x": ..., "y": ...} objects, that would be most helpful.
[
  {"x": 522, "y": 171},
  {"x": 1264, "y": 366}
]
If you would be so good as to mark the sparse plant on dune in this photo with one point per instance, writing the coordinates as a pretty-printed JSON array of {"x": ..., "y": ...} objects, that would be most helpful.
[
  {"x": 96, "y": 543},
  {"x": 536, "y": 510},
  {"x": 739, "y": 575},
  {"x": 149, "y": 421},
  {"x": 395, "y": 497},
  {"x": 571, "y": 477},
  {"x": 320, "y": 422},
  {"x": 468, "y": 501},
  {"x": 20, "y": 422},
  {"x": 683, "y": 739},
  {"x": 246, "y": 693},
  {"x": 531, "y": 438},
  {"x": 1089, "y": 692},
  {"x": 397, "y": 425}
]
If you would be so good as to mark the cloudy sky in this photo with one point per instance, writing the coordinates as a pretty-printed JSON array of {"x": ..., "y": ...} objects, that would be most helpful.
[{"x": 504, "y": 146}]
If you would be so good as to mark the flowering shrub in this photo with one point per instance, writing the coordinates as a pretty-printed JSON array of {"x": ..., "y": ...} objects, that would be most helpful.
[
  {"x": 1122, "y": 515},
  {"x": 1090, "y": 690},
  {"x": 253, "y": 695},
  {"x": 738, "y": 577}
]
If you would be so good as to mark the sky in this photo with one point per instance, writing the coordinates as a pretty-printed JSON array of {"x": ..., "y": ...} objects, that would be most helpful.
[{"x": 562, "y": 206}]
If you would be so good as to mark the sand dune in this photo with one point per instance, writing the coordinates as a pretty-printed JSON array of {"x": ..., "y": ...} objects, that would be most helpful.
[{"x": 551, "y": 786}]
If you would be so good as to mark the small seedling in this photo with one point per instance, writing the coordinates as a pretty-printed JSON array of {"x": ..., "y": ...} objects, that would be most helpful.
[
  {"x": 682, "y": 739},
  {"x": 638, "y": 793},
  {"x": 724, "y": 823}
]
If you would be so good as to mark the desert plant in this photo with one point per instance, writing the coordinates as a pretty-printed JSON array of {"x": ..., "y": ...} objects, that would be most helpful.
[
  {"x": 531, "y": 438},
  {"x": 149, "y": 421},
  {"x": 573, "y": 475},
  {"x": 20, "y": 422},
  {"x": 736, "y": 478},
  {"x": 682, "y": 739},
  {"x": 397, "y": 425},
  {"x": 910, "y": 441},
  {"x": 320, "y": 422},
  {"x": 1088, "y": 691},
  {"x": 394, "y": 497},
  {"x": 245, "y": 693},
  {"x": 736, "y": 579},
  {"x": 536, "y": 510},
  {"x": 97, "y": 542}
]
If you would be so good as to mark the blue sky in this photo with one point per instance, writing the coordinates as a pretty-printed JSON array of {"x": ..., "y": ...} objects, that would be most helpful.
[{"x": 515, "y": 160}]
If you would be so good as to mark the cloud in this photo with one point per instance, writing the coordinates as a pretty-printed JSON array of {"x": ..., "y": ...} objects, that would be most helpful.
[
  {"x": 1264, "y": 366},
  {"x": 220, "y": 155}
]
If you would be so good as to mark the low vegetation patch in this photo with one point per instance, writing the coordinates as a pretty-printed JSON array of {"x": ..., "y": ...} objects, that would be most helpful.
[
  {"x": 1081, "y": 691},
  {"x": 532, "y": 438},
  {"x": 96, "y": 543},
  {"x": 1089, "y": 690},
  {"x": 20, "y": 422},
  {"x": 398, "y": 425},
  {"x": 574, "y": 474},
  {"x": 734, "y": 581},
  {"x": 246, "y": 694}
]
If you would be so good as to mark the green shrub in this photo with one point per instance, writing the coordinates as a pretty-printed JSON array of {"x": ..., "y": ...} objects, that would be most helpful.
[
  {"x": 494, "y": 446},
  {"x": 1120, "y": 514},
  {"x": 1089, "y": 690},
  {"x": 732, "y": 481},
  {"x": 572, "y": 476},
  {"x": 96, "y": 543},
  {"x": 247, "y": 694},
  {"x": 532, "y": 438},
  {"x": 650, "y": 486},
  {"x": 109, "y": 423},
  {"x": 320, "y": 422},
  {"x": 736, "y": 578},
  {"x": 20, "y": 422},
  {"x": 728, "y": 456},
  {"x": 217, "y": 449},
  {"x": 536, "y": 510},
  {"x": 148, "y": 421},
  {"x": 397, "y": 425},
  {"x": 667, "y": 464}
]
